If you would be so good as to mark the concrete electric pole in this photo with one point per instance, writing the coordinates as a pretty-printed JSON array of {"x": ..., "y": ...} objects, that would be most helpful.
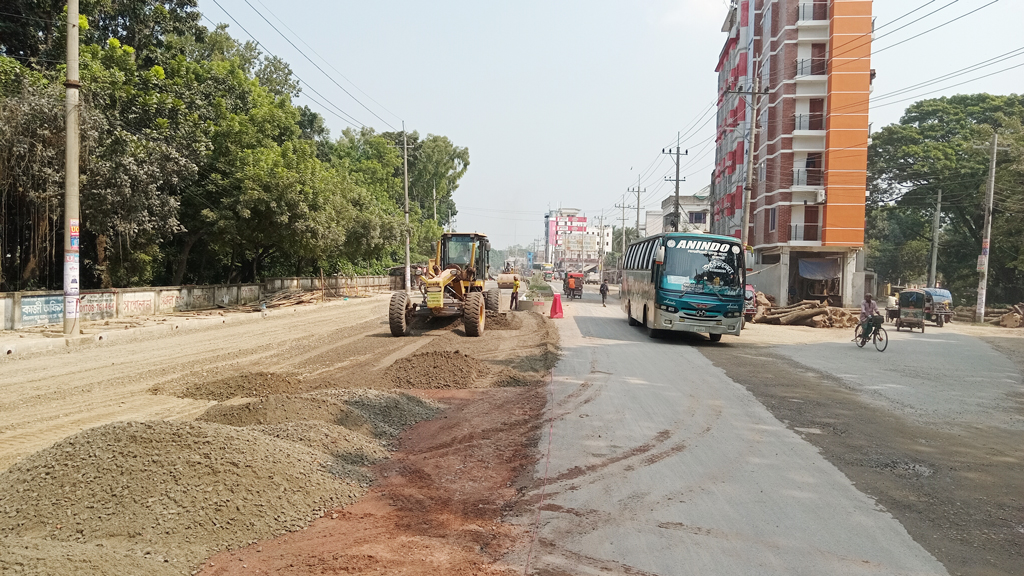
[
  {"x": 638, "y": 192},
  {"x": 72, "y": 223},
  {"x": 405, "y": 150},
  {"x": 675, "y": 209},
  {"x": 979, "y": 314},
  {"x": 749, "y": 187},
  {"x": 932, "y": 275}
]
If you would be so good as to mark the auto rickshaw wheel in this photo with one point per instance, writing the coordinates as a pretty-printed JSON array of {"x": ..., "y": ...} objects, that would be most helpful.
[{"x": 938, "y": 321}]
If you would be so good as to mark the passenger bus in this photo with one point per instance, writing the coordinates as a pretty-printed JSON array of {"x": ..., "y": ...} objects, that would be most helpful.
[{"x": 685, "y": 282}]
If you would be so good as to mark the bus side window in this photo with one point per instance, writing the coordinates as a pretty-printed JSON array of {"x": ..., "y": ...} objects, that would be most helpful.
[{"x": 628, "y": 264}]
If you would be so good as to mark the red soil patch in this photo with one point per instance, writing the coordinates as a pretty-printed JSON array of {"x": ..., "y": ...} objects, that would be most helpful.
[{"x": 436, "y": 506}]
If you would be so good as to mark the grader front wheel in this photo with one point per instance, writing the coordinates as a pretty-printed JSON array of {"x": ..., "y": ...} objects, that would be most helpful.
[
  {"x": 474, "y": 314},
  {"x": 400, "y": 314}
]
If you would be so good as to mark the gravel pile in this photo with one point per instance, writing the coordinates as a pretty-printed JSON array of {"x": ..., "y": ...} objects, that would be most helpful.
[
  {"x": 280, "y": 409},
  {"x": 245, "y": 385},
  {"x": 168, "y": 491},
  {"x": 437, "y": 369},
  {"x": 389, "y": 413}
]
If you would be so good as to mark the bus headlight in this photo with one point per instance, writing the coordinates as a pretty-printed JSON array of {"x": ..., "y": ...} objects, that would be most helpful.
[
  {"x": 671, "y": 309},
  {"x": 732, "y": 314}
]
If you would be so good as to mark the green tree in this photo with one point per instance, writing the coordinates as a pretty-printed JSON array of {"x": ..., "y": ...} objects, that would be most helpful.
[{"x": 936, "y": 145}]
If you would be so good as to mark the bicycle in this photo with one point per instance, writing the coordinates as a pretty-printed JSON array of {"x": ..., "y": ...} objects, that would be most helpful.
[{"x": 877, "y": 334}]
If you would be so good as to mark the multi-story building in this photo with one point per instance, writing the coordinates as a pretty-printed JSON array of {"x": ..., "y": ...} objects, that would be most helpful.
[
  {"x": 571, "y": 242},
  {"x": 811, "y": 60}
]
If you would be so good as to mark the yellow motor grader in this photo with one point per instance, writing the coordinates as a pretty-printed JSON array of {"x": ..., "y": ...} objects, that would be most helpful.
[{"x": 452, "y": 285}]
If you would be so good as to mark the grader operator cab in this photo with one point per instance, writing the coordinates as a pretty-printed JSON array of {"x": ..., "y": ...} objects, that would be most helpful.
[{"x": 452, "y": 285}]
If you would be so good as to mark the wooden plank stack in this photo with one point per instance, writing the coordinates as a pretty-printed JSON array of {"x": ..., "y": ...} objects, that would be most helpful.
[{"x": 813, "y": 313}]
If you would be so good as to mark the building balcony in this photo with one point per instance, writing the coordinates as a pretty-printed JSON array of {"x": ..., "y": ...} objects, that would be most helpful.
[
  {"x": 805, "y": 233},
  {"x": 811, "y": 67},
  {"x": 809, "y": 122},
  {"x": 808, "y": 177},
  {"x": 813, "y": 13}
]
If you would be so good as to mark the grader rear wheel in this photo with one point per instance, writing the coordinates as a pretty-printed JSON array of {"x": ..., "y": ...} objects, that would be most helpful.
[
  {"x": 400, "y": 314},
  {"x": 474, "y": 314},
  {"x": 493, "y": 299}
]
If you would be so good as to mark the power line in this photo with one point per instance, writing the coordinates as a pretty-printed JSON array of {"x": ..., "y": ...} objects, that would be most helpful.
[
  {"x": 317, "y": 66},
  {"x": 912, "y": 22},
  {"x": 350, "y": 119}
]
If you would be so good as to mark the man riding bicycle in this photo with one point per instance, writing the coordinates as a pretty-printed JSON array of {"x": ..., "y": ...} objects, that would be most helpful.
[{"x": 869, "y": 316}]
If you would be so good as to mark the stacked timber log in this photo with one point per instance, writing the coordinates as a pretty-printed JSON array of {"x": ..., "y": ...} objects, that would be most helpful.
[
  {"x": 1007, "y": 317},
  {"x": 813, "y": 313},
  {"x": 285, "y": 298}
]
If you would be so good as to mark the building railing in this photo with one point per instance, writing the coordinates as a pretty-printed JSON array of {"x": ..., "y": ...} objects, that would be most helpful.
[
  {"x": 804, "y": 232},
  {"x": 811, "y": 66},
  {"x": 813, "y": 11},
  {"x": 807, "y": 177},
  {"x": 814, "y": 121}
]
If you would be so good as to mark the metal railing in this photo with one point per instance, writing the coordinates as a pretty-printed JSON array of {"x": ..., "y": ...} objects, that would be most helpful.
[
  {"x": 813, "y": 11},
  {"x": 815, "y": 121},
  {"x": 811, "y": 66},
  {"x": 804, "y": 232},
  {"x": 807, "y": 176}
]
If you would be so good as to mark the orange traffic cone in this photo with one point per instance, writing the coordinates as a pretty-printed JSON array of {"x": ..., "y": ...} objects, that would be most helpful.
[{"x": 556, "y": 307}]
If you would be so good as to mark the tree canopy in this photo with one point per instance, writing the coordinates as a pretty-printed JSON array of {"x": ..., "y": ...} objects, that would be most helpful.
[
  {"x": 196, "y": 166},
  {"x": 943, "y": 144}
]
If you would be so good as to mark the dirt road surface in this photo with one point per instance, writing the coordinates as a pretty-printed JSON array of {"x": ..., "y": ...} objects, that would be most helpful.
[{"x": 149, "y": 456}]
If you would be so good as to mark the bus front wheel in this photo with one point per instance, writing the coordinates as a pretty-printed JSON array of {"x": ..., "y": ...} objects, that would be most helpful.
[{"x": 715, "y": 337}]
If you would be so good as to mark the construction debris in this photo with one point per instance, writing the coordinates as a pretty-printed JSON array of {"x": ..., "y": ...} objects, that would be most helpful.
[{"x": 813, "y": 313}]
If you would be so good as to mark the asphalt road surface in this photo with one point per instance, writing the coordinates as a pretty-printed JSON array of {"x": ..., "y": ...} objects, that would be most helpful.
[{"x": 661, "y": 464}]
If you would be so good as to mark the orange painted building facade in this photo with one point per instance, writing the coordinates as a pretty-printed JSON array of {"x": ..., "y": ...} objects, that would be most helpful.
[{"x": 811, "y": 59}]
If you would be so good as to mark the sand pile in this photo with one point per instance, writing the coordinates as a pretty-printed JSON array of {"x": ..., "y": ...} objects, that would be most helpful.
[
  {"x": 168, "y": 491},
  {"x": 436, "y": 369},
  {"x": 245, "y": 385},
  {"x": 280, "y": 409},
  {"x": 388, "y": 413}
]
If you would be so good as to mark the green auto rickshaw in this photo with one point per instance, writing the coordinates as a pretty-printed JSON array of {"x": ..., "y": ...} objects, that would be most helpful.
[{"x": 910, "y": 311}]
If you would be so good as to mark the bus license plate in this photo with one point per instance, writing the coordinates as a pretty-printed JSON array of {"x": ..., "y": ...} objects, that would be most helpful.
[{"x": 700, "y": 329}]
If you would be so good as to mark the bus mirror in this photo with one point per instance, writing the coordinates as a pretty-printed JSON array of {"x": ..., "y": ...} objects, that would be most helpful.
[{"x": 659, "y": 258}]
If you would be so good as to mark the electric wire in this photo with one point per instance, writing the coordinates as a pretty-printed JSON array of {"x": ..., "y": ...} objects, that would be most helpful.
[
  {"x": 317, "y": 66},
  {"x": 351, "y": 120}
]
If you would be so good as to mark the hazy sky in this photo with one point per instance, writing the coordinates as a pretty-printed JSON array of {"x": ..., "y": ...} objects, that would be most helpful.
[{"x": 565, "y": 103}]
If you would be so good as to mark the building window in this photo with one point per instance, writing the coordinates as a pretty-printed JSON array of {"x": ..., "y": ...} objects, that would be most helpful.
[
  {"x": 762, "y": 171},
  {"x": 698, "y": 217},
  {"x": 771, "y": 219}
]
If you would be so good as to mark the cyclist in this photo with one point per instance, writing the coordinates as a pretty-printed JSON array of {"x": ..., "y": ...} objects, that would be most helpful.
[{"x": 868, "y": 312}]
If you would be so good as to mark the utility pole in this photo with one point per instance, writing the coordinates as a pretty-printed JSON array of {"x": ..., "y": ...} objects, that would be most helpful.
[
  {"x": 932, "y": 274},
  {"x": 72, "y": 223},
  {"x": 405, "y": 149},
  {"x": 623, "y": 220},
  {"x": 638, "y": 192},
  {"x": 675, "y": 209},
  {"x": 749, "y": 187},
  {"x": 600, "y": 249},
  {"x": 979, "y": 314}
]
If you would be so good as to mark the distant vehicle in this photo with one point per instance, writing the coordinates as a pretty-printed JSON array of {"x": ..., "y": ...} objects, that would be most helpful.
[
  {"x": 750, "y": 302},
  {"x": 937, "y": 306},
  {"x": 910, "y": 314},
  {"x": 573, "y": 285},
  {"x": 685, "y": 282}
]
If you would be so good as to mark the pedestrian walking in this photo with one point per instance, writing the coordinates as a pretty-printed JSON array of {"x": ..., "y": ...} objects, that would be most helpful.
[
  {"x": 513, "y": 303},
  {"x": 604, "y": 292}
]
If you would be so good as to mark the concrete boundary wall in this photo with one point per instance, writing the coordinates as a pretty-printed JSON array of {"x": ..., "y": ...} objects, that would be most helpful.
[
  {"x": 29, "y": 309},
  {"x": 339, "y": 285}
]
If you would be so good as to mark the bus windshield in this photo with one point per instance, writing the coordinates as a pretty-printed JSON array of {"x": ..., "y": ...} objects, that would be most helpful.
[{"x": 702, "y": 268}]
